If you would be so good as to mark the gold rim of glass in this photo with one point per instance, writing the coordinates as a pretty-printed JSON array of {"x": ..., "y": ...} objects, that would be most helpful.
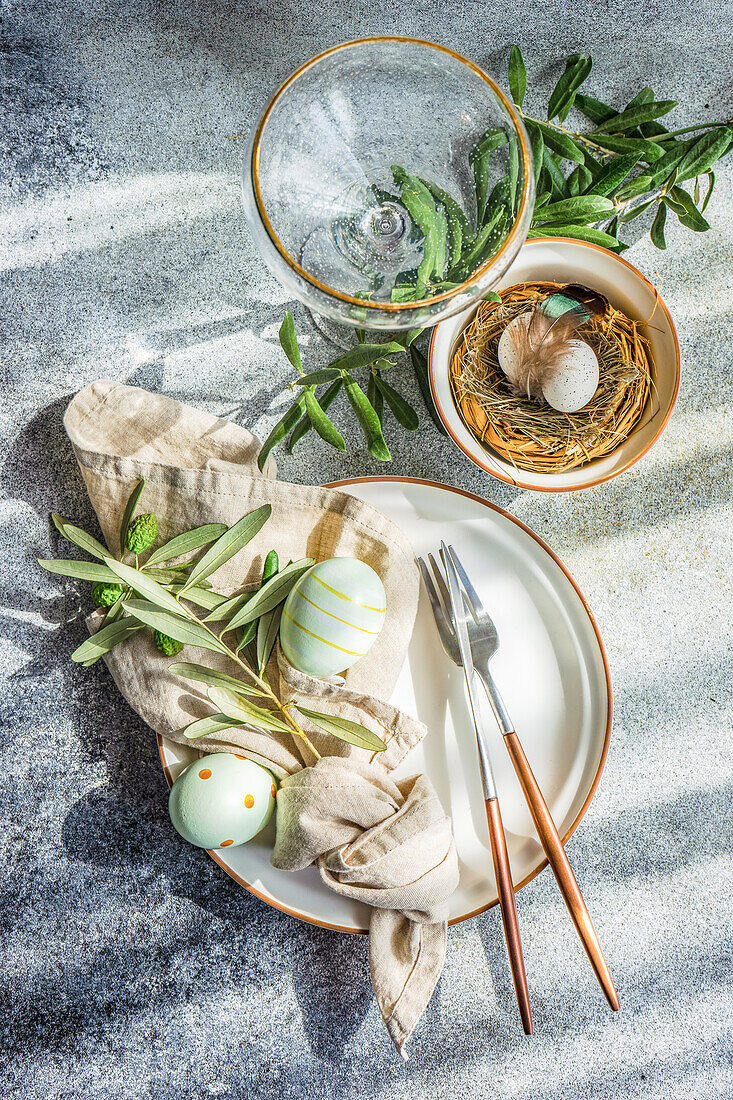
[{"x": 480, "y": 270}]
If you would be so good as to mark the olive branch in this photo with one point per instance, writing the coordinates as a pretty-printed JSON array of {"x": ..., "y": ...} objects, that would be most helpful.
[{"x": 162, "y": 593}]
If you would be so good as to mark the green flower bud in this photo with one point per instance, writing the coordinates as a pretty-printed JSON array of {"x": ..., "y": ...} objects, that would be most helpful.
[
  {"x": 105, "y": 593},
  {"x": 142, "y": 533},
  {"x": 167, "y": 645}
]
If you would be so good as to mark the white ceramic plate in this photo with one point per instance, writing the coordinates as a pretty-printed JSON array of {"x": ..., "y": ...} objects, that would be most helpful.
[
  {"x": 557, "y": 259},
  {"x": 551, "y": 669}
]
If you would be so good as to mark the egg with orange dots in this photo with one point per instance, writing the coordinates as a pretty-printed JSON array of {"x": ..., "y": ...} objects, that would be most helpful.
[{"x": 222, "y": 800}]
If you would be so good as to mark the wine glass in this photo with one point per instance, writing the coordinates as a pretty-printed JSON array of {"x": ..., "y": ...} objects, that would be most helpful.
[{"x": 389, "y": 183}]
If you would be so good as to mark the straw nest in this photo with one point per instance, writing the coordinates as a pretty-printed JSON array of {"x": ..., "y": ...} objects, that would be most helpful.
[{"x": 532, "y": 435}]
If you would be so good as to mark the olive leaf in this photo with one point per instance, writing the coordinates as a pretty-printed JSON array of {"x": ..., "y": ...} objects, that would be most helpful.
[
  {"x": 648, "y": 151},
  {"x": 204, "y": 675},
  {"x": 248, "y": 635},
  {"x": 420, "y": 367},
  {"x": 80, "y": 538},
  {"x": 560, "y": 143},
  {"x": 170, "y": 576},
  {"x": 480, "y": 159},
  {"x": 116, "y": 611},
  {"x": 557, "y": 180},
  {"x": 459, "y": 228},
  {"x": 684, "y": 207},
  {"x": 581, "y": 209},
  {"x": 129, "y": 512},
  {"x": 183, "y": 630},
  {"x": 368, "y": 421},
  {"x": 147, "y": 587},
  {"x": 271, "y": 593},
  {"x": 614, "y": 174},
  {"x": 668, "y": 163},
  {"x": 576, "y": 232},
  {"x": 633, "y": 115},
  {"x": 403, "y": 412},
  {"x": 351, "y": 732},
  {"x": 517, "y": 75},
  {"x": 225, "y": 610},
  {"x": 186, "y": 543},
  {"x": 429, "y": 220},
  {"x": 317, "y": 377},
  {"x": 289, "y": 341},
  {"x": 657, "y": 230},
  {"x": 105, "y": 639},
  {"x": 284, "y": 425},
  {"x": 374, "y": 396},
  {"x": 711, "y": 185},
  {"x": 229, "y": 544},
  {"x": 704, "y": 152},
  {"x": 363, "y": 355},
  {"x": 81, "y": 570},
  {"x": 200, "y": 597},
  {"x": 577, "y": 70},
  {"x": 537, "y": 143},
  {"x": 484, "y": 244},
  {"x": 267, "y": 631},
  {"x": 595, "y": 167},
  {"x": 640, "y": 185},
  {"x": 407, "y": 339},
  {"x": 579, "y": 180},
  {"x": 636, "y": 211},
  {"x": 325, "y": 401},
  {"x": 213, "y": 723},
  {"x": 270, "y": 566},
  {"x": 322, "y": 423},
  {"x": 594, "y": 109},
  {"x": 233, "y": 706}
]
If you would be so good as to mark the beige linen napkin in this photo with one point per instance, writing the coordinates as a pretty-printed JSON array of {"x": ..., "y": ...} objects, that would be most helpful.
[{"x": 388, "y": 844}]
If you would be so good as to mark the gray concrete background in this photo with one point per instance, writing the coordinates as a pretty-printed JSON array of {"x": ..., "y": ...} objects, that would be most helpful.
[{"x": 132, "y": 966}]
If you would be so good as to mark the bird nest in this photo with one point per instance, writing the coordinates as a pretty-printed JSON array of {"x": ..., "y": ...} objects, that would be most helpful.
[{"x": 530, "y": 434}]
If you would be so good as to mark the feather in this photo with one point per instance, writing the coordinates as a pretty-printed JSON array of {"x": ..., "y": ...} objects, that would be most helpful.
[
  {"x": 593, "y": 300},
  {"x": 542, "y": 337},
  {"x": 541, "y": 349}
]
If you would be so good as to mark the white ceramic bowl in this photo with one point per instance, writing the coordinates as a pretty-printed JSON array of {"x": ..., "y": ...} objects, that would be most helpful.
[{"x": 559, "y": 259}]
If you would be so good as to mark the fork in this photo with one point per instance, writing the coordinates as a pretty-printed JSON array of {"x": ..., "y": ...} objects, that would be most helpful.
[
  {"x": 449, "y": 630},
  {"x": 484, "y": 640}
]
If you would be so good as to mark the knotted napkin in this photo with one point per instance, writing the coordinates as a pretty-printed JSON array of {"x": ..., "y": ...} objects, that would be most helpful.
[{"x": 384, "y": 842}]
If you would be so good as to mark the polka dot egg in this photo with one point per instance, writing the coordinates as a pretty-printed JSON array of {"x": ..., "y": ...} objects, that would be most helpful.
[
  {"x": 332, "y": 616},
  {"x": 221, "y": 800}
]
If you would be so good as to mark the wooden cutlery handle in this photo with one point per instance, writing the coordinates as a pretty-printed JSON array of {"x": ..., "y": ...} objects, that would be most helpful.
[
  {"x": 507, "y": 903},
  {"x": 558, "y": 860}
]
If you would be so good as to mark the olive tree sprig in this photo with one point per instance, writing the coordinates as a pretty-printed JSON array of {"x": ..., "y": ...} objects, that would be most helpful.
[
  {"x": 246, "y": 624},
  {"x": 629, "y": 159},
  {"x": 309, "y": 411}
]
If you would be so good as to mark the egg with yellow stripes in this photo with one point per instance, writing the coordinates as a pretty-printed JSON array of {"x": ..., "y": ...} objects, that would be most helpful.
[{"x": 332, "y": 616}]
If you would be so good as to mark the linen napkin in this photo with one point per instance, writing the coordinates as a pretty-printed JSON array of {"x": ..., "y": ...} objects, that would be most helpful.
[{"x": 386, "y": 843}]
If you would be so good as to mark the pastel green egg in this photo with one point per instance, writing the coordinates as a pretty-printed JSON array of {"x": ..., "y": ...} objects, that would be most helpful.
[
  {"x": 332, "y": 616},
  {"x": 221, "y": 800}
]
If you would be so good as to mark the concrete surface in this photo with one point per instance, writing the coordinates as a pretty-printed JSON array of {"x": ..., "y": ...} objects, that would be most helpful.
[{"x": 132, "y": 966}]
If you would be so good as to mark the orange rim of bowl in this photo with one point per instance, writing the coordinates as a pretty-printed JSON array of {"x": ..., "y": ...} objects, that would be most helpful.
[
  {"x": 507, "y": 478},
  {"x": 395, "y": 307},
  {"x": 606, "y": 735}
]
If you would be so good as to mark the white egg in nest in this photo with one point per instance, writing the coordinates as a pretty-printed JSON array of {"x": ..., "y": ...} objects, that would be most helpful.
[{"x": 573, "y": 380}]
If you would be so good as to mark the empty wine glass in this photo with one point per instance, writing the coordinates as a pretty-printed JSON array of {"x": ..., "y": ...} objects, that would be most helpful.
[{"x": 389, "y": 183}]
